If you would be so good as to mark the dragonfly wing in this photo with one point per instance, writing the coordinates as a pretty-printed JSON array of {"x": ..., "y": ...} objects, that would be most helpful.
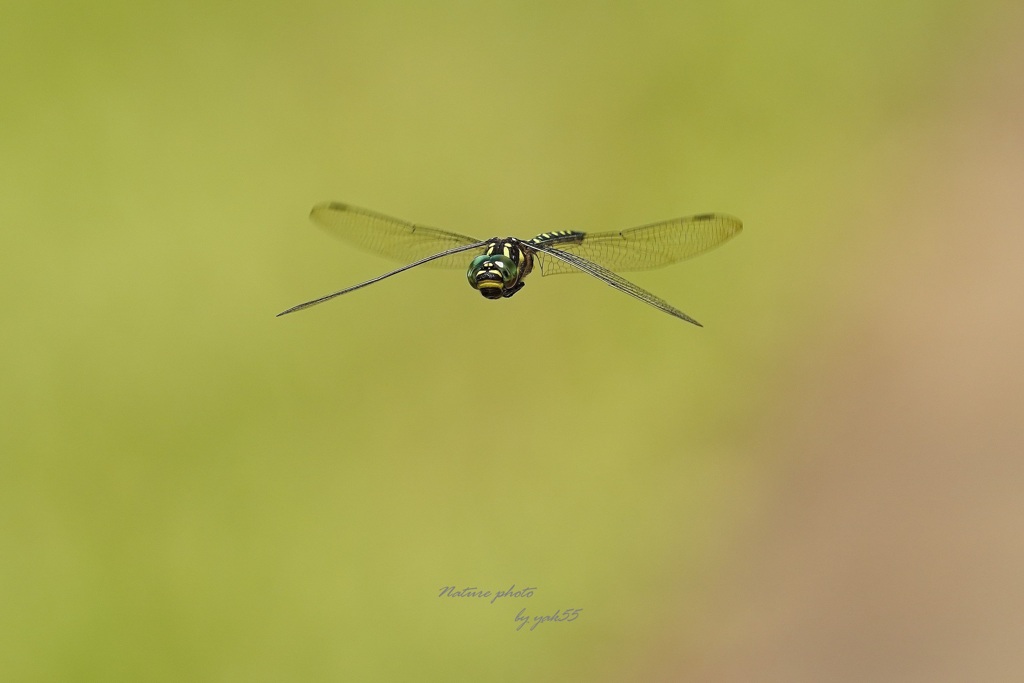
[
  {"x": 579, "y": 264},
  {"x": 424, "y": 261},
  {"x": 391, "y": 237},
  {"x": 646, "y": 247}
]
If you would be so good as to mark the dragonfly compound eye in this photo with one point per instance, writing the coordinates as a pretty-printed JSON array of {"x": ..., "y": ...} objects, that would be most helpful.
[{"x": 492, "y": 274}]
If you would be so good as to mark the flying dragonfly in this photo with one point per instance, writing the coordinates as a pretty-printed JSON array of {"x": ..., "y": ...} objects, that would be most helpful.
[{"x": 498, "y": 267}]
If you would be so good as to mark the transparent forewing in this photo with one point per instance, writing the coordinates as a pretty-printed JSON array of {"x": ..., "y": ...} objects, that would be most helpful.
[
  {"x": 421, "y": 262},
  {"x": 391, "y": 237},
  {"x": 646, "y": 247}
]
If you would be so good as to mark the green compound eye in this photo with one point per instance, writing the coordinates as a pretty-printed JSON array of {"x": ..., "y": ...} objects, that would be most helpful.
[
  {"x": 506, "y": 267},
  {"x": 483, "y": 265},
  {"x": 474, "y": 267}
]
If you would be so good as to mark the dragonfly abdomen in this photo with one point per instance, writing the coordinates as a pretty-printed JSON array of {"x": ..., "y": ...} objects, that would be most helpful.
[{"x": 550, "y": 239}]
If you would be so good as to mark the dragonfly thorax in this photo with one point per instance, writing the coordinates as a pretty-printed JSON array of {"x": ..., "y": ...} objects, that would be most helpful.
[{"x": 500, "y": 270}]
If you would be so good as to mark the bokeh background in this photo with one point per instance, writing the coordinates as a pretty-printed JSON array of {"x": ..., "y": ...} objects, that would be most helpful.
[{"x": 824, "y": 483}]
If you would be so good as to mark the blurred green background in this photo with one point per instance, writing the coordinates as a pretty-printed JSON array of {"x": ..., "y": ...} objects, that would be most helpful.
[{"x": 195, "y": 490}]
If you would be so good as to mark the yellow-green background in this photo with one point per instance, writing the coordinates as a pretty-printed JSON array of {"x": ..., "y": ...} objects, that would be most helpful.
[{"x": 195, "y": 490}]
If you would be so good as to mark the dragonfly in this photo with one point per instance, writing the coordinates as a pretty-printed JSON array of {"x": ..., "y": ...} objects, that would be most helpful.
[{"x": 497, "y": 267}]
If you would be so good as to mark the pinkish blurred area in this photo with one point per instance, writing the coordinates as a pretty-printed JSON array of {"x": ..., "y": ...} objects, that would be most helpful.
[{"x": 891, "y": 547}]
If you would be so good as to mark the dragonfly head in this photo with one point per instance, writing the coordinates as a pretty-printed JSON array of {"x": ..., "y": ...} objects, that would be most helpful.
[{"x": 492, "y": 275}]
